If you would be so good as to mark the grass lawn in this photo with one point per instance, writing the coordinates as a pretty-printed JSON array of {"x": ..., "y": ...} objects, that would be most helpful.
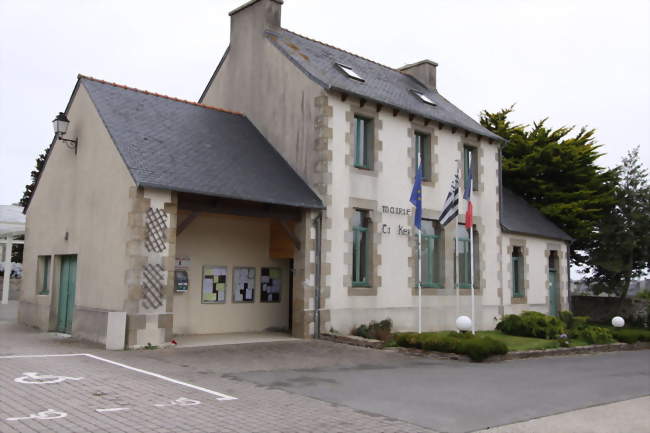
[{"x": 516, "y": 343}]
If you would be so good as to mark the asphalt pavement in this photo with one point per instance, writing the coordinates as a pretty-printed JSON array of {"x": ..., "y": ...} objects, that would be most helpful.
[{"x": 452, "y": 396}]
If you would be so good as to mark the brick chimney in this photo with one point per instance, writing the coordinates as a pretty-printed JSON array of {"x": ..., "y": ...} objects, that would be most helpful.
[
  {"x": 424, "y": 71},
  {"x": 257, "y": 14}
]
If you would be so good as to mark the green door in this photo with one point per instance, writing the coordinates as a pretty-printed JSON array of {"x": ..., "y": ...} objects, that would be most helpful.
[
  {"x": 66, "y": 293},
  {"x": 552, "y": 292}
]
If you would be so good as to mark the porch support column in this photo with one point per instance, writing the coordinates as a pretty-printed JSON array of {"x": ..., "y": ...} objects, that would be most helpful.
[
  {"x": 150, "y": 277},
  {"x": 8, "y": 244}
]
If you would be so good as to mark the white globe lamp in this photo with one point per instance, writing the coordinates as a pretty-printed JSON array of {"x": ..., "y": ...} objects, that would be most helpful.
[
  {"x": 463, "y": 323},
  {"x": 618, "y": 322}
]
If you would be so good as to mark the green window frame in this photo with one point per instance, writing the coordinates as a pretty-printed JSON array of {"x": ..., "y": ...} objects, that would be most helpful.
[
  {"x": 363, "y": 142},
  {"x": 517, "y": 273},
  {"x": 44, "y": 275},
  {"x": 361, "y": 249},
  {"x": 430, "y": 251},
  {"x": 467, "y": 151},
  {"x": 423, "y": 154}
]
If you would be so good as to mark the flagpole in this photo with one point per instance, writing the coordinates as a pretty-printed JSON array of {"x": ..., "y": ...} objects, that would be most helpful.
[
  {"x": 471, "y": 278},
  {"x": 420, "y": 281},
  {"x": 456, "y": 251}
]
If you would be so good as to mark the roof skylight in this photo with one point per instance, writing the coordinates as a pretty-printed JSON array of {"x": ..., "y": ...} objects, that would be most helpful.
[
  {"x": 347, "y": 70},
  {"x": 424, "y": 98}
]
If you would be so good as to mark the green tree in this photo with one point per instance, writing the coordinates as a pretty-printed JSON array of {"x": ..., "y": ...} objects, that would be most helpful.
[
  {"x": 621, "y": 247},
  {"x": 555, "y": 170},
  {"x": 29, "y": 189}
]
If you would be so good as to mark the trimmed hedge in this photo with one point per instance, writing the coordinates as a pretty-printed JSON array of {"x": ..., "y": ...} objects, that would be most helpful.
[
  {"x": 477, "y": 348},
  {"x": 531, "y": 324},
  {"x": 375, "y": 330},
  {"x": 631, "y": 336}
]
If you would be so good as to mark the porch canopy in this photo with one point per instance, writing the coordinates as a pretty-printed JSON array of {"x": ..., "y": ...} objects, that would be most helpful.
[
  {"x": 12, "y": 224},
  {"x": 196, "y": 150}
]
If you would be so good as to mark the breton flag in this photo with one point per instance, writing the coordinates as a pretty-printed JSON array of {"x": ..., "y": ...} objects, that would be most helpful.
[
  {"x": 467, "y": 195},
  {"x": 416, "y": 198},
  {"x": 450, "y": 208}
]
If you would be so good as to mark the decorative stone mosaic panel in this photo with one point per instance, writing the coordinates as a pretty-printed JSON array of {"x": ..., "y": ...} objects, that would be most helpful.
[
  {"x": 156, "y": 230},
  {"x": 152, "y": 282}
]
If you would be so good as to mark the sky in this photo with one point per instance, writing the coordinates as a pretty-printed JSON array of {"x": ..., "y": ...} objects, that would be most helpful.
[{"x": 582, "y": 63}]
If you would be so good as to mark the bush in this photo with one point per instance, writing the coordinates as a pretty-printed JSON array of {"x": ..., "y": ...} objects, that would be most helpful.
[
  {"x": 567, "y": 318},
  {"x": 407, "y": 339},
  {"x": 631, "y": 336},
  {"x": 532, "y": 324},
  {"x": 375, "y": 330},
  {"x": 596, "y": 335},
  {"x": 477, "y": 348},
  {"x": 480, "y": 348},
  {"x": 512, "y": 325}
]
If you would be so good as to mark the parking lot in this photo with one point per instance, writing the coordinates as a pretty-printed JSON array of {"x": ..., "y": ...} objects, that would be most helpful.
[
  {"x": 84, "y": 392},
  {"x": 306, "y": 386}
]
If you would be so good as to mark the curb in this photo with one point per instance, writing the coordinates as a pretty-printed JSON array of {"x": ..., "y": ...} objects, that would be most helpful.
[
  {"x": 353, "y": 340},
  {"x": 580, "y": 350},
  {"x": 562, "y": 351}
]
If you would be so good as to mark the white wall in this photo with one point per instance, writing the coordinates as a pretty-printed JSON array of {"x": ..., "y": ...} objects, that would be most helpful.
[{"x": 392, "y": 187}]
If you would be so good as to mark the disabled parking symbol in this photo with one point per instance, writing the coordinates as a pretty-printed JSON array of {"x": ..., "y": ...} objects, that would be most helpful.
[{"x": 33, "y": 378}]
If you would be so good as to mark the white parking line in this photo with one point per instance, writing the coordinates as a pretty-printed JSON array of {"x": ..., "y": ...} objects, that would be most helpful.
[
  {"x": 112, "y": 409},
  {"x": 220, "y": 396}
]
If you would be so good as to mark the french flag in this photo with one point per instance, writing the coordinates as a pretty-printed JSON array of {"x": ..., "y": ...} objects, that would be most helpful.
[{"x": 467, "y": 195}]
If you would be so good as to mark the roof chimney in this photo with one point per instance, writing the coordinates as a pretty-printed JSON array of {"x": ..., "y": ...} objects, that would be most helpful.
[
  {"x": 264, "y": 14},
  {"x": 424, "y": 71}
]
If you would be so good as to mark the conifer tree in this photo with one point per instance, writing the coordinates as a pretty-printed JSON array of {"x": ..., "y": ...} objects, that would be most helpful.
[
  {"x": 620, "y": 250},
  {"x": 555, "y": 170}
]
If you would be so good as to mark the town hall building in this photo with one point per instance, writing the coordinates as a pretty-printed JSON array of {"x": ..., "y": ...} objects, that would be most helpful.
[{"x": 278, "y": 201}]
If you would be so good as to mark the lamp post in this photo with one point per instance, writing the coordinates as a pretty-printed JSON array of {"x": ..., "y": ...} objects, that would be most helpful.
[
  {"x": 463, "y": 323},
  {"x": 60, "y": 124}
]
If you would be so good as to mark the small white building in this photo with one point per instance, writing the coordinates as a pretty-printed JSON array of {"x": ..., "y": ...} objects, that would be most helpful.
[
  {"x": 12, "y": 227},
  {"x": 285, "y": 208}
]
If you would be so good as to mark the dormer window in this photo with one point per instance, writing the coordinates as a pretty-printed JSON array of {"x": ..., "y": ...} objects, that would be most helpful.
[
  {"x": 347, "y": 70},
  {"x": 424, "y": 98}
]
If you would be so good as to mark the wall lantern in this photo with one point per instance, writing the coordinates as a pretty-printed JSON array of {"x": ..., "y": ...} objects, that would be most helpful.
[{"x": 61, "y": 124}]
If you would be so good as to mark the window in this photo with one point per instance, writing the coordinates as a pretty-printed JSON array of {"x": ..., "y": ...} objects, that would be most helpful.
[
  {"x": 464, "y": 264},
  {"x": 470, "y": 154},
  {"x": 363, "y": 142},
  {"x": 361, "y": 248},
  {"x": 423, "y": 98},
  {"x": 43, "y": 275},
  {"x": 423, "y": 154},
  {"x": 517, "y": 273},
  {"x": 430, "y": 250},
  {"x": 351, "y": 73},
  {"x": 464, "y": 270}
]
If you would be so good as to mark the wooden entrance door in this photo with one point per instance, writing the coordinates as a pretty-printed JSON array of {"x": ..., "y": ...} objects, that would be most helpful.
[{"x": 67, "y": 288}]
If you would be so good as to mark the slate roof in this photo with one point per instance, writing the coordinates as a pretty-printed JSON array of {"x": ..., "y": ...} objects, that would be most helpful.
[
  {"x": 520, "y": 217},
  {"x": 382, "y": 84},
  {"x": 189, "y": 147}
]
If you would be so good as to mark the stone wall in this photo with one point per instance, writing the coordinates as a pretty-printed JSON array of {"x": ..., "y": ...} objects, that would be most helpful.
[{"x": 602, "y": 309}]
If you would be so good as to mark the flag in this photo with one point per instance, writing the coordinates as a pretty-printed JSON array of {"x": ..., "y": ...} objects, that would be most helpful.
[
  {"x": 467, "y": 195},
  {"x": 416, "y": 198},
  {"x": 450, "y": 207}
]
